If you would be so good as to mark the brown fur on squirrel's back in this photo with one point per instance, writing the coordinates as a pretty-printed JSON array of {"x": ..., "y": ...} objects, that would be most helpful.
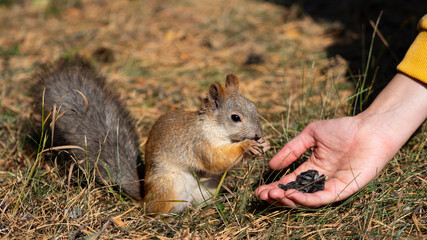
[{"x": 91, "y": 117}]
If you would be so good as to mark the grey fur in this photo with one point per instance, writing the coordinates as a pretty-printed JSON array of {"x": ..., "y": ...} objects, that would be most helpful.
[
  {"x": 111, "y": 140},
  {"x": 249, "y": 127}
]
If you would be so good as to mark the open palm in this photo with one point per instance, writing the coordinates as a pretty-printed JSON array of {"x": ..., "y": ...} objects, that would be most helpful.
[{"x": 349, "y": 151}]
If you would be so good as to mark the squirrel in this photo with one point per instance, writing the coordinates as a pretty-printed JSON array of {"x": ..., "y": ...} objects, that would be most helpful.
[{"x": 185, "y": 153}]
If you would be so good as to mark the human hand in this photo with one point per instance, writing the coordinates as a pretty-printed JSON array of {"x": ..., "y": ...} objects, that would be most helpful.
[{"x": 350, "y": 151}]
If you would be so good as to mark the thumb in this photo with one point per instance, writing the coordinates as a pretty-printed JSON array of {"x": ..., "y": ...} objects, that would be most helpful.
[{"x": 294, "y": 148}]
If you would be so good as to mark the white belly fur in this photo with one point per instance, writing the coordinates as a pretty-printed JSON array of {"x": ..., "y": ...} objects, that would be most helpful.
[{"x": 192, "y": 190}]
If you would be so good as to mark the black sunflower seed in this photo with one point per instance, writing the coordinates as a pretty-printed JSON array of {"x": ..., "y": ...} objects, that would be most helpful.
[{"x": 306, "y": 182}]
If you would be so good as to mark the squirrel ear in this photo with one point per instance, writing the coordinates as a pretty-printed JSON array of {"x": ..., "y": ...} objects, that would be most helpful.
[
  {"x": 216, "y": 96},
  {"x": 231, "y": 82}
]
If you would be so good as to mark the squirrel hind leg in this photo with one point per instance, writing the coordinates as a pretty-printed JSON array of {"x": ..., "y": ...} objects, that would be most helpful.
[
  {"x": 175, "y": 192},
  {"x": 160, "y": 196}
]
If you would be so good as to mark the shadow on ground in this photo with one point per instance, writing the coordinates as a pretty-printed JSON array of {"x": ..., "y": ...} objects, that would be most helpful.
[{"x": 398, "y": 25}]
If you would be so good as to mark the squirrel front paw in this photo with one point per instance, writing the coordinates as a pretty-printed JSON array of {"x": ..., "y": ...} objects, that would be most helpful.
[
  {"x": 258, "y": 147},
  {"x": 264, "y": 143}
]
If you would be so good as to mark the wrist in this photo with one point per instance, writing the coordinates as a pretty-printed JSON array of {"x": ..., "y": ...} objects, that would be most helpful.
[{"x": 398, "y": 110}]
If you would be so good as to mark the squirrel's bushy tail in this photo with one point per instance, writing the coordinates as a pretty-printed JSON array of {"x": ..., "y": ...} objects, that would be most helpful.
[{"x": 90, "y": 116}]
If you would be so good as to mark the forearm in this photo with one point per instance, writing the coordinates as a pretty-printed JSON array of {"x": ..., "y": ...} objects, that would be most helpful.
[{"x": 399, "y": 109}]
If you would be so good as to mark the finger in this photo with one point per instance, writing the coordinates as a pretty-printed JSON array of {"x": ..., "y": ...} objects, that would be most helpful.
[
  {"x": 260, "y": 189},
  {"x": 274, "y": 195},
  {"x": 294, "y": 148},
  {"x": 283, "y": 180},
  {"x": 334, "y": 191},
  {"x": 280, "y": 197},
  {"x": 314, "y": 200},
  {"x": 292, "y": 197}
]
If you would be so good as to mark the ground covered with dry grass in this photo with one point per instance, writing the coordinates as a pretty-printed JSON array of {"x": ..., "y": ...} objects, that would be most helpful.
[{"x": 162, "y": 55}]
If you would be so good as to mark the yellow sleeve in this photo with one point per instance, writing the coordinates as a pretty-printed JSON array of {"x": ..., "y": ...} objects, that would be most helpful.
[{"x": 414, "y": 64}]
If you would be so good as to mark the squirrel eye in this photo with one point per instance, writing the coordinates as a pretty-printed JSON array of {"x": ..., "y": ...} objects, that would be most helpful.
[{"x": 235, "y": 118}]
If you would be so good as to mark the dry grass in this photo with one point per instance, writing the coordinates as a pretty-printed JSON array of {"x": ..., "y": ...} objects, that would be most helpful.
[{"x": 162, "y": 55}]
